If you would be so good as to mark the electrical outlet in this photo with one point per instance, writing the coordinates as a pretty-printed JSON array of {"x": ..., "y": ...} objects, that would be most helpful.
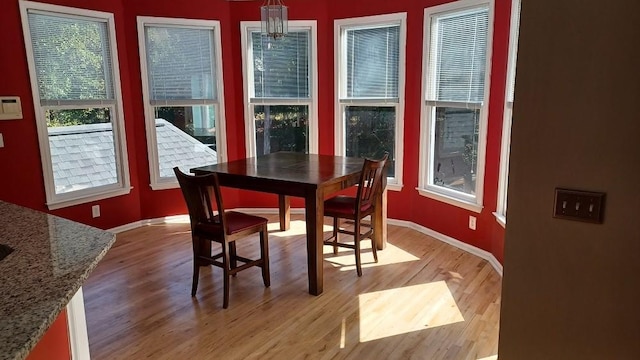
[
  {"x": 472, "y": 222},
  {"x": 95, "y": 211}
]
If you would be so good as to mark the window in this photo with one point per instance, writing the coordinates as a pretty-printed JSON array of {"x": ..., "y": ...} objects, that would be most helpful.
[
  {"x": 280, "y": 86},
  {"x": 501, "y": 211},
  {"x": 182, "y": 93},
  {"x": 454, "y": 115},
  {"x": 370, "y": 89},
  {"x": 73, "y": 66}
]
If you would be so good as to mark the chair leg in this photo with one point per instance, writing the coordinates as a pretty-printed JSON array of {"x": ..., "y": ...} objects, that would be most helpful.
[
  {"x": 264, "y": 255},
  {"x": 233, "y": 255},
  {"x": 356, "y": 238},
  {"x": 374, "y": 247},
  {"x": 196, "y": 266},
  {"x": 226, "y": 268},
  {"x": 335, "y": 236},
  {"x": 196, "y": 275}
]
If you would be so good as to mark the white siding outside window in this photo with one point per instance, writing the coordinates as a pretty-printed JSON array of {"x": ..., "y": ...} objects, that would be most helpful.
[{"x": 75, "y": 80}]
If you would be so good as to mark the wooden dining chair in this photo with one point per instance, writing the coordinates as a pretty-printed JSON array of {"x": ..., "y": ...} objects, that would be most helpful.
[
  {"x": 202, "y": 196},
  {"x": 357, "y": 208}
]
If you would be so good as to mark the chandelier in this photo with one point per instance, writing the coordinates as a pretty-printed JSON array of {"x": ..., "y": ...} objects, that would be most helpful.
[{"x": 274, "y": 18}]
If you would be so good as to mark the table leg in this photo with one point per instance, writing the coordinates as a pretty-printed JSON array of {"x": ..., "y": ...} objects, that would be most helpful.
[
  {"x": 284, "y": 205},
  {"x": 380, "y": 220},
  {"x": 314, "y": 217}
]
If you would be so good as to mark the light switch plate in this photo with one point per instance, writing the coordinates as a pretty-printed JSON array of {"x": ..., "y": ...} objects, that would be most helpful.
[
  {"x": 1, "y": 141},
  {"x": 579, "y": 205}
]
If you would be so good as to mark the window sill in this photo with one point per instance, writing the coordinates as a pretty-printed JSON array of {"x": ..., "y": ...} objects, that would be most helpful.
[
  {"x": 59, "y": 204},
  {"x": 451, "y": 201},
  {"x": 394, "y": 187},
  {"x": 165, "y": 185},
  {"x": 501, "y": 219}
]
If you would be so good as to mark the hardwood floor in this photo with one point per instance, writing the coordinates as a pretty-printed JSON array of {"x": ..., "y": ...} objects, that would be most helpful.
[{"x": 423, "y": 300}]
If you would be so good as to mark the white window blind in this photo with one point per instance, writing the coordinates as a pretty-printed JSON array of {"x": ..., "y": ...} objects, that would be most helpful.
[
  {"x": 180, "y": 64},
  {"x": 281, "y": 67},
  {"x": 72, "y": 58},
  {"x": 372, "y": 62},
  {"x": 458, "y": 50}
]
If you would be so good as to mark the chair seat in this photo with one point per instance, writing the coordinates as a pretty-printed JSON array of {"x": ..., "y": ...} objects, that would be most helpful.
[
  {"x": 344, "y": 205},
  {"x": 236, "y": 222}
]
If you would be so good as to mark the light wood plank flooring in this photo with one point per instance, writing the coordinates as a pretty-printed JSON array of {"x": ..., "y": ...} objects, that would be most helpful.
[{"x": 423, "y": 300}]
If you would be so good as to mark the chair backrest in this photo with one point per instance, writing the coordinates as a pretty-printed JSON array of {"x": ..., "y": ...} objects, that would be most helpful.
[
  {"x": 370, "y": 185},
  {"x": 200, "y": 193}
]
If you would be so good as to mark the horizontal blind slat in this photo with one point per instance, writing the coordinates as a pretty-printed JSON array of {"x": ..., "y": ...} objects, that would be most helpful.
[
  {"x": 281, "y": 66},
  {"x": 372, "y": 63},
  {"x": 180, "y": 63},
  {"x": 458, "y": 50},
  {"x": 72, "y": 57}
]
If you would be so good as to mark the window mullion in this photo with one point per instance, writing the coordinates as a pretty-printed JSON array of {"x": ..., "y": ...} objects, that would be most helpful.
[
  {"x": 455, "y": 104},
  {"x": 188, "y": 102},
  {"x": 76, "y": 104}
]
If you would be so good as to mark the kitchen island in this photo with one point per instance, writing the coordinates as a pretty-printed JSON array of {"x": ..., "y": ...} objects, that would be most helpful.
[{"x": 45, "y": 261}]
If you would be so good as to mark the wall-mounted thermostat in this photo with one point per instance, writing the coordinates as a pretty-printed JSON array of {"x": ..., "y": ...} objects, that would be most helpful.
[{"x": 10, "y": 108}]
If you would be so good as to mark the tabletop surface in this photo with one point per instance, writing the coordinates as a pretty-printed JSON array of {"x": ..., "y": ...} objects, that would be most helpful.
[
  {"x": 289, "y": 167},
  {"x": 51, "y": 259}
]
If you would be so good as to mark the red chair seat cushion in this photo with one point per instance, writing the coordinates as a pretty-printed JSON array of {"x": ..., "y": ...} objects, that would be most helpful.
[
  {"x": 344, "y": 205},
  {"x": 236, "y": 222}
]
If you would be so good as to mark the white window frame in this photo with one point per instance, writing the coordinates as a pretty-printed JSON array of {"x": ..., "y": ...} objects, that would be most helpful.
[
  {"x": 246, "y": 27},
  {"x": 123, "y": 184},
  {"x": 503, "y": 179},
  {"x": 341, "y": 101},
  {"x": 427, "y": 124},
  {"x": 157, "y": 182}
]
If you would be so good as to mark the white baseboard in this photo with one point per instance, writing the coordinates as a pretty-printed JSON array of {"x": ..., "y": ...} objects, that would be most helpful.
[
  {"x": 408, "y": 224},
  {"x": 126, "y": 227},
  {"x": 451, "y": 241},
  {"x": 155, "y": 221}
]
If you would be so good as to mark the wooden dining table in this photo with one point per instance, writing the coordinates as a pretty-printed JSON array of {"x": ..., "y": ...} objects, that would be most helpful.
[{"x": 309, "y": 176}]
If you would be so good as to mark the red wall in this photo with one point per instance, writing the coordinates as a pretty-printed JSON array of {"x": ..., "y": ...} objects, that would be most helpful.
[{"x": 20, "y": 157}]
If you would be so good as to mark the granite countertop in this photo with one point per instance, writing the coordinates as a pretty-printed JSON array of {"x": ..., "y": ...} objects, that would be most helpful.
[{"x": 52, "y": 258}]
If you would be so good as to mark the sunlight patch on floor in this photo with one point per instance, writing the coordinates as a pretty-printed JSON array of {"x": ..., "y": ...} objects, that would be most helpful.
[
  {"x": 346, "y": 259},
  {"x": 407, "y": 309},
  {"x": 297, "y": 228},
  {"x": 493, "y": 357},
  {"x": 177, "y": 219}
]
